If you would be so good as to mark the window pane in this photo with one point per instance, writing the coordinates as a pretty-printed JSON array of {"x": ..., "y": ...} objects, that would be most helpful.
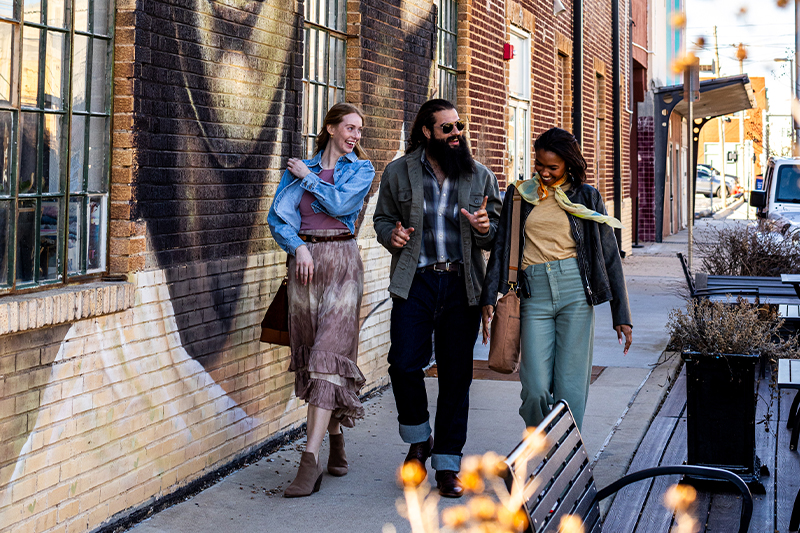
[
  {"x": 75, "y": 246},
  {"x": 54, "y": 148},
  {"x": 26, "y": 235},
  {"x": 98, "y": 153},
  {"x": 80, "y": 9},
  {"x": 5, "y": 237},
  {"x": 7, "y": 9},
  {"x": 80, "y": 52},
  {"x": 100, "y": 18},
  {"x": 6, "y": 55},
  {"x": 28, "y": 151},
  {"x": 322, "y": 55},
  {"x": 77, "y": 153},
  {"x": 100, "y": 50},
  {"x": 30, "y": 65},
  {"x": 56, "y": 65},
  {"x": 55, "y": 13},
  {"x": 96, "y": 259},
  {"x": 33, "y": 11},
  {"x": 49, "y": 239},
  {"x": 6, "y": 144}
]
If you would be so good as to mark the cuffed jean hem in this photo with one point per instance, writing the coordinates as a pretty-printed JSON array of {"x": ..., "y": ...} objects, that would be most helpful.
[
  {"x": 415, "y": 434},
  {"x": 446, "y": 462}
]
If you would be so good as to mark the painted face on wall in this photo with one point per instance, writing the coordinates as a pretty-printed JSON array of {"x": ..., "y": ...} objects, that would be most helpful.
[
  {"x": 550, "y": 166},
  {"x": 346, "y": 134},
  {"x": 228, "y": 65}
]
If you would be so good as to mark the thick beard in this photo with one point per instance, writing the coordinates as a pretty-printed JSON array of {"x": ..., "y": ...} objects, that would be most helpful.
[{"x": 454, "y": 161}]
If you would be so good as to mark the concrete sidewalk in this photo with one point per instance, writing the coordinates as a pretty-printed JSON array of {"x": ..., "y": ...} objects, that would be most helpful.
[{"x": 622, "y": 402}]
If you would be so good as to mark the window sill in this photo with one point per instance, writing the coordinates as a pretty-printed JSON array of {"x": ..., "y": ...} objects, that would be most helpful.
[{"x": 62, "y": 305}]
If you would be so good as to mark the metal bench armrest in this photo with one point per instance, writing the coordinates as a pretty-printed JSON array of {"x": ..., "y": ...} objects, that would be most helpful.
[{"x": 704, "y": 471}]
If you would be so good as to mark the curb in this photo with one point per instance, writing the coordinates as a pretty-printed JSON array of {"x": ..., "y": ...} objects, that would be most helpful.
[
  {"x": 722, "y": 213},
  {"x": 615, "y": 457}
]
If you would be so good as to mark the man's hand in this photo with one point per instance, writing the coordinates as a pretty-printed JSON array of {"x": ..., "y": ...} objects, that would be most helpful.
[
  {"x": 486, "y": 318},
  {"x": 480, "y": 219},
  {"x": 298, "y": 169},
  {"x": 400, "y": 235},
  {"x": 624, "y": 330},
  {"x": 304, "y": 265}
]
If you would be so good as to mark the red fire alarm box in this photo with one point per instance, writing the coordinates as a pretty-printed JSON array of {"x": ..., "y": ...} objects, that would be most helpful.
[{"x": 508, "y": 51}]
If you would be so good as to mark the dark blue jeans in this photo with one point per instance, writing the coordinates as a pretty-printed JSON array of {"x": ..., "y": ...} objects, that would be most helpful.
[{"x": 436, "y": 306}]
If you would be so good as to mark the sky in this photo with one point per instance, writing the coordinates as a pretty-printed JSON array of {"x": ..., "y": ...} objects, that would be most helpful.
[{"x": 766, "y": 30}]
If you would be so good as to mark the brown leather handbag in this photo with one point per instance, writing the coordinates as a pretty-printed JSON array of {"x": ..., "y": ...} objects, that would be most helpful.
[
  {"x": 275, "y": 326},
  {"x": 504, "y": 342}
]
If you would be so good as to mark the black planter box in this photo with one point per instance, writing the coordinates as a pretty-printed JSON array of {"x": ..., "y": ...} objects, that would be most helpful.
[{"x": 721, "y": 413}]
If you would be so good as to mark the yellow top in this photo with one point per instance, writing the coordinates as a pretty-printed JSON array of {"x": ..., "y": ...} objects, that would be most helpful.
[{"x": 548, "y": 236}]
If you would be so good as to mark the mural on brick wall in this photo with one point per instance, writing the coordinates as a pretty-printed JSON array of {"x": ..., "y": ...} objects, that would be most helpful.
[{"x": 206, "y": 143}]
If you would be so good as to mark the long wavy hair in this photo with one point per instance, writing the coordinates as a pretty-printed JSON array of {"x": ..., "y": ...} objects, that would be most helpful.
[
  {"x": 425, "y": 118},
  {"x": 334, "y": 117},
  {"x": 565, "y": 145}
]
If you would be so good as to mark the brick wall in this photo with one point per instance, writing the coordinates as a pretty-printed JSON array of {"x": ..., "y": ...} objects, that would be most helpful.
[
  {"x": 102, "y": 416},
  {"x": 107, "y": 414}
]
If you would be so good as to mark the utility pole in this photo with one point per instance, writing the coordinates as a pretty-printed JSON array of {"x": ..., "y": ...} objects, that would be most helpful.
[
  {"x": 691, "y": 93},
  {"x": 741, "y": 55},
  {"x": 721, "y": 132}
]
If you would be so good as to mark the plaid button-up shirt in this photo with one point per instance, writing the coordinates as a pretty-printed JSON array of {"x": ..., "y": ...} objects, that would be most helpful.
[{"x": 441, "y": 236}]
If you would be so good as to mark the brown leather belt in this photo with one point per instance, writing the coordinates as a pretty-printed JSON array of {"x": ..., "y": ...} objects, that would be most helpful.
[
  {"x": 326, "y": 238},
  {"x": 442, "y": 267}
]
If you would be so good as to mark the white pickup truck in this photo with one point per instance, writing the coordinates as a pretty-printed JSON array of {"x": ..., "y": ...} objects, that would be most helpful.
[{"x": 779, "y": 197}]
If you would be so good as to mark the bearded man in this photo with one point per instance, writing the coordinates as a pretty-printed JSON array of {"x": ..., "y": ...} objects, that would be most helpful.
[{"x": 437, "y": 209}]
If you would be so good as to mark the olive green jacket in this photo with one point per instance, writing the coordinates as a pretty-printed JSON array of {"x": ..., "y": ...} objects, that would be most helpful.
[{"x": 400, "y": 199}]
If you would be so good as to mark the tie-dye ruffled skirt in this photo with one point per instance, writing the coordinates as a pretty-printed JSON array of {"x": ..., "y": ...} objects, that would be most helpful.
[{"x": 323, "y": 328}]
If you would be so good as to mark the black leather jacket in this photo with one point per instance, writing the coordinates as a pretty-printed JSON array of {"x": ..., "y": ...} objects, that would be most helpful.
[{"x": 598, "y": 255}]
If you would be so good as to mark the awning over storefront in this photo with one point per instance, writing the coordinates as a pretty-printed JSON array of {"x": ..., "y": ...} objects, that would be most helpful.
[{"x": 718, "y": 97}]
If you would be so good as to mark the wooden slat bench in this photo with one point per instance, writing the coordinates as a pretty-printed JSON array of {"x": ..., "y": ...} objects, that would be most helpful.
[
  {"x": 561, "y": 483},
  {"x": 789, "y": 378},
  {"x": 771, "y": 290}
]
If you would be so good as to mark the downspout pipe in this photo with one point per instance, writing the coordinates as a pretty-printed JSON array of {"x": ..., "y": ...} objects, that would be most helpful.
[
  {"x": 577, "y": 71},
  {"x": 616, "y": 81}
]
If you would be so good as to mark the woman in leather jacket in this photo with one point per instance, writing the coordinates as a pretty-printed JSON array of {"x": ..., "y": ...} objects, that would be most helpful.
[{"x": 569, "y": 262}]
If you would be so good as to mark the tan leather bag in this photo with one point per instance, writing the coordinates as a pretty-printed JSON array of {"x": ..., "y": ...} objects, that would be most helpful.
[{"x": 504, "y": 342}]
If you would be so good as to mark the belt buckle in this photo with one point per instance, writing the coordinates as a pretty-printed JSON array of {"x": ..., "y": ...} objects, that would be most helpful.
[{"x": 446, "y": 267}]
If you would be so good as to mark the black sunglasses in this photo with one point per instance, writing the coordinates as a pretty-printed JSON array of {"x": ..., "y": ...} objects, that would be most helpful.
[{"x": 447, "y": 127}]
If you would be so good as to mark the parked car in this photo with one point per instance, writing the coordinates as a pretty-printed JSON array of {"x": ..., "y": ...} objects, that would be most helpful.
[
  {"x": 709, "y": 182},
  {"x": 779, "y": 199}
]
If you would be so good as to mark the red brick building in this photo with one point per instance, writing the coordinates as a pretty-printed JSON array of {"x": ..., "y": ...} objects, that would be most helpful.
[{"x": 139, "y": 262}]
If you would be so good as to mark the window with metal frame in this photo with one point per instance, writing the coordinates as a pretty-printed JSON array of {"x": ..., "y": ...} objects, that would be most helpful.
[
  {"x": 325, "y": 61},
  {"x": 519, "y": 95},
  {"x": 447, "y": 49},
  {"x": 55, "y": 119}
]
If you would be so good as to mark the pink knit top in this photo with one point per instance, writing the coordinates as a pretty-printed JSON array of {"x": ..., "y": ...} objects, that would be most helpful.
[{"x": 309, "y": 220}]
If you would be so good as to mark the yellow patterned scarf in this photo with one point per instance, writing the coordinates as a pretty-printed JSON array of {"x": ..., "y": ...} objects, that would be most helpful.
[{"x": 532, "y": 191}]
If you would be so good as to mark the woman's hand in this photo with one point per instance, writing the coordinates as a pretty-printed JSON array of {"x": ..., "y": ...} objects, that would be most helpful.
[
  {"x": 486, "y": 319},
  {"x": 298, "y": 169},
  {"x": 624, "y": 329},
  {"x": 304, "y": 265}
]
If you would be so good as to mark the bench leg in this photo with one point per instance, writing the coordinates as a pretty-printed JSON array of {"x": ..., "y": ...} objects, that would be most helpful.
[
  {"x": 790, "y": 423},
  {"x": 795, "y": 434},
  {"x": 794, "y": 522}
]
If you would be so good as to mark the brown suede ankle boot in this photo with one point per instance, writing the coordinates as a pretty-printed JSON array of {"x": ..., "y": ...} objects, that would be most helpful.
[
  {"x": 308, "y": 480},
  {"x": 337, "y": 460}
]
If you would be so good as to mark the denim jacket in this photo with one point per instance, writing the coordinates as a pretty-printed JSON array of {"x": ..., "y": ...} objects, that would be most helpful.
[{"x": 342, "y": 200}]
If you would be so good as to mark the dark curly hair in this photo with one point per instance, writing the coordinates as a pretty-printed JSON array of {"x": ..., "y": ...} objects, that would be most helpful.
[
  {"x": 425, "y": 118},
  {"x": 565, "y": 145}
]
